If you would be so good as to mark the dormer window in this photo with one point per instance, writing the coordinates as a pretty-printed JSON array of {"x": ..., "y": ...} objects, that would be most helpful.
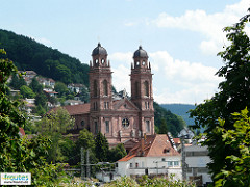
[{"x": 166, "y": 151}]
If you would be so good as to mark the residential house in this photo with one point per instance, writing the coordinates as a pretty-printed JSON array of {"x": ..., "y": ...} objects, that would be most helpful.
[
  {"x": 75, "y": 87},
  {"x": 196, "y": 159},
  {"x": 47, "y": 82},
  {"x": 154, "y": 155}
]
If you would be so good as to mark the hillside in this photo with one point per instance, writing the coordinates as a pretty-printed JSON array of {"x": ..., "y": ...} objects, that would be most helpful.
[
  {"x": 30, "y": 55},
  {"x": 181, "y": 110},
  {"x": 175, "y": 122}
]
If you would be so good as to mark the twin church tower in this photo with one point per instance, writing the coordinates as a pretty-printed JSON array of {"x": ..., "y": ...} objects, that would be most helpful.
[{"x": 119, "y": 119}]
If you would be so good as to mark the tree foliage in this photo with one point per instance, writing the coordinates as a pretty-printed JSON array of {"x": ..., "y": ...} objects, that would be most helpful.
[
  {"x": 27, "y": 92},
  {"x": 21, "y": 154},
  {"x": 238, "y": 139},
  {"x": 116, "y": 154},
  {"x": 175, "y": 123},
  {"x": 233, "y": 96},
  {"x": 163, "y": 129},
  {"x": 101, "y": 147},
  {"x": 53, "y": 125}
]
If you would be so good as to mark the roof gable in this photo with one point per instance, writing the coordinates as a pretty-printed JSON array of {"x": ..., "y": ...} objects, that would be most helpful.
[
  {"x": 124, "y": 105},
  {"x": 157, "y": 145}
]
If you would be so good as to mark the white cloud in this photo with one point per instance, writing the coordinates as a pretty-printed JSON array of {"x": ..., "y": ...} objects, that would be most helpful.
[
  {"x": 129, "y": 24},
  {"x": 44, "y": 41},
  {"x": 208, "y": 25},
  {"x": 120, "y": 77},
  {"x": 174, "y": 80}
]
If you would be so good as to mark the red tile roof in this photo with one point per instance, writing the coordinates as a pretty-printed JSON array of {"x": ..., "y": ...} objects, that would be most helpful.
[
  {"x": 157, "y": 145},
  {"x": 78, "y": 109}
]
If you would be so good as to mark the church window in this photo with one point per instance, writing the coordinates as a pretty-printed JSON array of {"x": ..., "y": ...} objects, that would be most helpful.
[
  {"x": 95, "y": 88},
  {"x": 105, "y": 88},
  {"x": 148, "y": 126},
  {"x": 138, "y": 63},
  {"x": 146, "y": 87},
  {"x": 96, "y": 127},
  {"x": 103, "y": 61},
  {"x": 96, "y": 61},
  {"x": 125, "y": 122},
  {"x": 143, "y": 63},
  {"x": 136, "y": 89},
  {"x": 107, "y": 126}
]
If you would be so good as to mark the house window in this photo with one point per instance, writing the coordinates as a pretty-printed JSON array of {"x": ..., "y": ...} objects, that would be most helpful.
[
  {"x": 148, "y": 126},
  {"x": 170, "y": 164},
  {"x": 136, "y": 164},
  {"x": 96, "y": 127},
  {"x": 107, "y": 126},
  {"x": 130, "y": 165},
  {"x": 176, "y": 163},
  {"x": 82, "y": 123}
]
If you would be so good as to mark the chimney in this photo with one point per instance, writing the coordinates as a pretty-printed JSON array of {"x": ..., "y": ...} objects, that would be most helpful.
[{"x": 143, "y": 144}]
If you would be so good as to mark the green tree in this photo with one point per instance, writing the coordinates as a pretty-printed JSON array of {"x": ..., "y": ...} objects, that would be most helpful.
[
  {"x": 101, "y": 147},
  {"x": 36, "y": 86},
  {"x": 11, "y": 119},
  {"x": 163, "y": 129},
  {"x": 54, "y": 124},
  {"x": 233, "y": 96},
  {"x": 238, "y": 139},
  {"x": 86, "y": 140},
  {"x": 61, "y": 88},
  {"x": 21, "y": 154},
  {"x": 117, "y": 153},
  {"x": 26, "y": 92},
  {"x": 17, "y": 81}
]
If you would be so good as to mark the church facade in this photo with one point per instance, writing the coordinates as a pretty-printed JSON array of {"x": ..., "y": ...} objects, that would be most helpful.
[{"x": 119, "y": 119}]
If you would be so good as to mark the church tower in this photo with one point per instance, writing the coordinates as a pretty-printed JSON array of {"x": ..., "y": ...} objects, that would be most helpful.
[
  {"x": 141, "y": 90},
  {"x": 100, "y": 90}
]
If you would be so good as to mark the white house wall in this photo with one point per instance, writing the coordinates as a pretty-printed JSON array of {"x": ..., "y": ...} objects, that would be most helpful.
[{"x": 155, "y": 166}]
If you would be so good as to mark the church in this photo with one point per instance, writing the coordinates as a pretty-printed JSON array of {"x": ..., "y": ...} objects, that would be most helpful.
[{"x": 121, "y": 120}]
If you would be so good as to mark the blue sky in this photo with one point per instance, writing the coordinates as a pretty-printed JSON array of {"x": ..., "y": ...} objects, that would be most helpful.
[{"x": 182, "y": 37}]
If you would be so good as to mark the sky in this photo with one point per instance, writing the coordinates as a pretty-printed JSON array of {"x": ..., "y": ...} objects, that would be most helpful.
[{"x": 182, "y": 37}]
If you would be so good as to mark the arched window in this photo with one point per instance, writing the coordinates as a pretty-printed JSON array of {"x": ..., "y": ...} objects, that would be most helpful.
[
  {"x": 95, "y": 88},
  {"x": 146, "y": 87},
  {"x": 105, "y": 88}
]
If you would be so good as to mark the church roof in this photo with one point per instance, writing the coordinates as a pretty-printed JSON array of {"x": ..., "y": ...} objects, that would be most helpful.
[
  {"x": 99, "y": 50},
  {"x": 140, "y": 53},
  {"x": 76, "y": 109},
  {"x": 157, "y": 145}
]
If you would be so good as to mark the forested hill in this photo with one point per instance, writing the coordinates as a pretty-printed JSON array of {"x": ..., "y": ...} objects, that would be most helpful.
[
  {"x": 181, "y": 110},
  {"x": 30, "y": 55},
  {"x": 174, "y": 122}
]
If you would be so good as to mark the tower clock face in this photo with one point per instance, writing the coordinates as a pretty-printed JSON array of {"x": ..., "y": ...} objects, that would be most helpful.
[{"x": 125, "y": 122}]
